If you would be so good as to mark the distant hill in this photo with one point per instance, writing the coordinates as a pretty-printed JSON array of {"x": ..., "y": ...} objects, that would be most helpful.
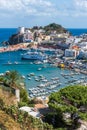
[
  {"x": 54, "y": 27},
  {"x": 50, "y": 28}
]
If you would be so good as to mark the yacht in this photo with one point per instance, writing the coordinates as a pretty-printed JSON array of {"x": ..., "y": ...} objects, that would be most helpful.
[{"x": 34, "y": 56}]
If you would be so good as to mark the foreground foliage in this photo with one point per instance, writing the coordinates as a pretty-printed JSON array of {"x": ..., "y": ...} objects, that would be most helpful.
[
  {"x": 7, "y": 123},
  {"x": 71, "y": 101},
  {"x": 10, "y": 114},
  {"x": 23, "y": 119}
]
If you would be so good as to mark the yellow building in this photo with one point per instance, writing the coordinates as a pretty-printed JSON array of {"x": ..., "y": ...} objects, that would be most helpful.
[{"x": 61, "y": 65}]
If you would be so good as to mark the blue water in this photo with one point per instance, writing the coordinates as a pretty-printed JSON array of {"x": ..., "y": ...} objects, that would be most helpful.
[
  {"x": 5, "y": 33},
  {"x": 25, "y": 67},
  {"x": 77, "y": 32}
]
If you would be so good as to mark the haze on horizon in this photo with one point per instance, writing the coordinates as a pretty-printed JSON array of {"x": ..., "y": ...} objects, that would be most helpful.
[{"x": 28, "y": 13}]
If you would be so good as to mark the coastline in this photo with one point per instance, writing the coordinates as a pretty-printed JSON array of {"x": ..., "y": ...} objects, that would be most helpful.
[{"x": 13, "y": 47}]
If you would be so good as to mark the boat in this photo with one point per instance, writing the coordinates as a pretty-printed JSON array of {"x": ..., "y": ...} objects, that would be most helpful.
[
  {"x": 23, "y": 77},
  {"x": 39, "y": 69},
  {"x": 29, "y": 78},
  {"x": 52, "y": 86},
  {"x": 44, "y": 80},
  {"x": 38, "y": 62},
  {"x": 41, "y": 85},
  {"x": 34, "y": 56},
  {"x": 36, "y": 79},
  {"x": 55, "y": 78},
  {"x": 32, "y": 74}
]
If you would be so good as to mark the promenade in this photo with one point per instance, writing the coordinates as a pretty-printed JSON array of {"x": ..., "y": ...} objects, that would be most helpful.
[
  {"x": 13, "y": 47},
  {"x": 80, "y": 71}
]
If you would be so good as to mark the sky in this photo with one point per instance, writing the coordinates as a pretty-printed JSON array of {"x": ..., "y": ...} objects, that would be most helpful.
[{"x": 28, "y": 13}]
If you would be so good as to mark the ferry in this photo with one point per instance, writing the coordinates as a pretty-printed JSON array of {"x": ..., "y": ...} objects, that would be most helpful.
[{"x": 34, "y": 56}]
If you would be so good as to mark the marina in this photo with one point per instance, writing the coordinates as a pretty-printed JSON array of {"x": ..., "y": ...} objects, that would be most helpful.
[{"x": 41, "y": 78}]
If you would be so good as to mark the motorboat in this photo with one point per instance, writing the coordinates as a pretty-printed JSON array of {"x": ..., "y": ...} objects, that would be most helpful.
[{"x": 39, "y": 69}]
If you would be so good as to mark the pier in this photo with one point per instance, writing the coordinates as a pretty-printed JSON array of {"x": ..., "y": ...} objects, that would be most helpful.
[{"x": 80, "y": 71}]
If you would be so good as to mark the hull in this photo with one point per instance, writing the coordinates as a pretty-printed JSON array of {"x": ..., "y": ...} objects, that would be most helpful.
[{"x": 33, "y": 57}]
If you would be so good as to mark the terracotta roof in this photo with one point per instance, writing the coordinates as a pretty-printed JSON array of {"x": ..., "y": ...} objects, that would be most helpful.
[{"x": 38, "y": 106}]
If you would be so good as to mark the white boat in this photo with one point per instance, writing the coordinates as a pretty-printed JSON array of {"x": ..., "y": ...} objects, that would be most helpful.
[
  {"x": 23, "y": 76},
  {"x": 34, "y": 56},
  {"x": 38, "y": 62},
  {"x": 36, "y": 79},
  {"x": 52, "y": 86},
  {"x": 41, "y": 85},
  {"x": 32, "y": 74},
  {"x": 29, "y": 78},
  {"x": 39, "y": 69},
  {"x": 44, "y": 80},
  {"x": 9, "y": 63}
]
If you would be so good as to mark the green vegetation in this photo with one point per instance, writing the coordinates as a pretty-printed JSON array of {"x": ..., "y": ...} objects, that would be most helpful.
[
  {"x": 50, "y": 28},
  {"x": 11, "y": 79},
  {"x": 24, "y": 100},
  {"x": 11, "y": 117},
  {"x": 66, "y": 107},
  {"x": 54, "y": 27},
  {"x": 71, "y": 101},
  {"x": 23, "y": 119},
  {"x": 7, "y": 123}
]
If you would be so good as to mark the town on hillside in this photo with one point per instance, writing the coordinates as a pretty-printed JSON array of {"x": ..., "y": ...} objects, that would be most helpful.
[{"x": 72, "y": 50}]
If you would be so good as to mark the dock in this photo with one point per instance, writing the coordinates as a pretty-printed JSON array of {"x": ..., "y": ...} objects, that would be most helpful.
[{"x": 80, "y": 71}]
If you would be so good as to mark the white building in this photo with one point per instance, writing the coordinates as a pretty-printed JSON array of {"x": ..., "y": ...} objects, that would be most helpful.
[
  {"x": 83, "y": 53},
  {"x": 77, "y": 40},
  {"x": 71, "y": 53},
  {"x": 31, "y": 111},
  {"x": 17, "y": 94},
  {"x": 70, "y": 39},
  {"x": 28, "y": 36},
  {"x": 83, "y": 45},
  {"x": 21, "y": 30}
]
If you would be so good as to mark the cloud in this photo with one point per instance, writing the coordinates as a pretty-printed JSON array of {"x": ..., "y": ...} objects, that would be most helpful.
[
  {"x": 11, "y": 5},
  {"x": 42, "y": 8},
  {"x": 74, "y": 8},
  {"x": 81, "y": 4},
  {"x": 81, "y": 8},
  {"x": 27, "y": 7}
]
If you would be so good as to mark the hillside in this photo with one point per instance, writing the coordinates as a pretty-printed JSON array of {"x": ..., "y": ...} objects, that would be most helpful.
[
  {"x": 7, "y": 123},
  {"x": 8, "y": 98},
  {"x": 11, "y": 118},
  {"x": 54, "y": 27}
]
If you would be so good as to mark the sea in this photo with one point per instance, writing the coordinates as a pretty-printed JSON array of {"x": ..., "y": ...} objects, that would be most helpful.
[{"x": 27, "y": 67}]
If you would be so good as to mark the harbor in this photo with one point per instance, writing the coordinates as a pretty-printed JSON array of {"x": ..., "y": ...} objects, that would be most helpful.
[{"x": 41, "y": 79}]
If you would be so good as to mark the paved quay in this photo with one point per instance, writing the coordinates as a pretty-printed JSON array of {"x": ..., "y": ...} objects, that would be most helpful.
[
  {"x": 80, "y": 71},
  {"x": 13, "y": 47}
]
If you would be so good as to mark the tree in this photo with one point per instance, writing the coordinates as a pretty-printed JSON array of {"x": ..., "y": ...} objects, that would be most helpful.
[
  {"x": 12, "y": 79},
  {"x": 24, "y": 100},
  {"x": 69, "y": 100}
]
